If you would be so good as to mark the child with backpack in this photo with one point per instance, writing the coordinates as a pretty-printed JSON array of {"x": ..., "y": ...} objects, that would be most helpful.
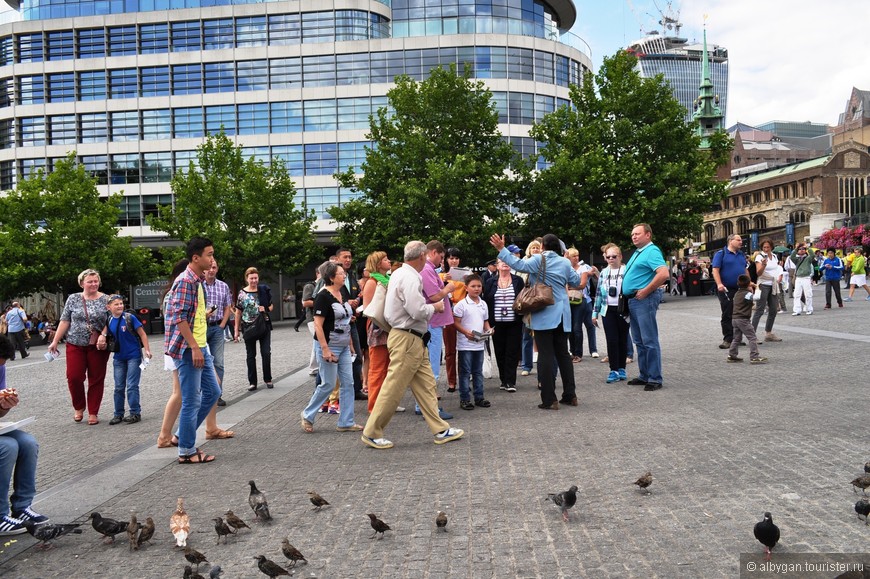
[{"x": 128, "y": 339}]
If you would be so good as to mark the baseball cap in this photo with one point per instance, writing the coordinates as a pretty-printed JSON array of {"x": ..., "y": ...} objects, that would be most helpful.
[{"x": 513, "y": 248}]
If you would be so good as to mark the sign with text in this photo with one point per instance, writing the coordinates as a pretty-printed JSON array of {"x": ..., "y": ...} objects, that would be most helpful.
[{"x": 148, "y": 295}]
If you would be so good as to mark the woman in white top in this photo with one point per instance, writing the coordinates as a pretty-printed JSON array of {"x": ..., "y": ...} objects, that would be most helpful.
[
  {"x": 606, "y": 302},
  {"x": 770, "y": 282}
]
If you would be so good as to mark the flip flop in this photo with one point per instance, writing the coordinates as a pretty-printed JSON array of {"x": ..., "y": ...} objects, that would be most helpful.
[
  {"x": 307, "y": 426},
  {"x": 79, "y": 415},
  {"x": 201, "y": 458},
  {"x": 92, "y": 420},
  {"x": 219, "y": 434}
]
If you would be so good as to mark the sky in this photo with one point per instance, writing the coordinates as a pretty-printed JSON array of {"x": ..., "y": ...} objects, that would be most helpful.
[{"x": 793, "y": 60}]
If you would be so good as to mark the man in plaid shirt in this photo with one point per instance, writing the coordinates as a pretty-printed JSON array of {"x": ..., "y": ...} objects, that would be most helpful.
[{"x": 186, "y": 343}]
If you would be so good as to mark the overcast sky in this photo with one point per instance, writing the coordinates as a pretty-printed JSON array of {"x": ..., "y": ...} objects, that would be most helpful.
[{"x": 793, "y": 60}]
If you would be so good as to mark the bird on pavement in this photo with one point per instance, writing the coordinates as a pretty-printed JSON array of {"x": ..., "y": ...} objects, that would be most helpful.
[
  {"x": 46, "y": 533},
  {"x": 147, "y": 532},
  {"x": 862, "y": 507},
  {"x": 644, "y": 481},
  {"x": 862, "y": 482},
  {"x": 258, "y": 503},
  {"x": 179, "y": 524},
  {"x": 867, "y": 466},
  {"x": 270, "y": 568},
  {"x": 189, "y": 573},
  {"x": 194, "y": 556},
  {"x": 235, "y": 522},
  {"x": 222, "y": 530},
  {"x": 564, "y": 500},
  {"x": 378, "y": 525},
  {"x": 318, "y": 501},
  {"x": 441, "y": 521},
  {"x": 215, "y": 572},
  {"x": 107, "y": 527},
  {"x": 133, "y": 532},
  {"x": 292, "y": 552},
  {"x": 767, "y": 534}
]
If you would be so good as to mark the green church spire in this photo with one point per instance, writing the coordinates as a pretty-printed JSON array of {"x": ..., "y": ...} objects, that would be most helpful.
[{"x": 707, "y": 112}]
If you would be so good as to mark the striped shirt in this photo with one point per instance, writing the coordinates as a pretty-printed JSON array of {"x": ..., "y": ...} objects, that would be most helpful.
[
  {"x": 504, "y": 304},
  {"x": 219, "y": 297}
]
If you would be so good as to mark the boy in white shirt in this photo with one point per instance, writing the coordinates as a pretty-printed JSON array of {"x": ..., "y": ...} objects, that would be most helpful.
[{"x": 470, "y": 315}]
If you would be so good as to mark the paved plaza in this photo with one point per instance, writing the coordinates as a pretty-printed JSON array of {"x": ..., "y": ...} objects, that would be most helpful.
[{"x": 725, "y": 443}]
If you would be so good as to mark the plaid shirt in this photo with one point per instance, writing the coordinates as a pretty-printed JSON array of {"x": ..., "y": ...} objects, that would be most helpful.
[
  {"x": 218, "y": 295},
  {"x": 181, "y": 308}
]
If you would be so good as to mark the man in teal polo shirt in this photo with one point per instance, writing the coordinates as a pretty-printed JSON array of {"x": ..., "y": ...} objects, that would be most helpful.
[{"x": 645, "y": 273}]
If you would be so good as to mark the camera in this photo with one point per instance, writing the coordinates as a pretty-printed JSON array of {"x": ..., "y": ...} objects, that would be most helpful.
[{"x": 612, "y": 291}]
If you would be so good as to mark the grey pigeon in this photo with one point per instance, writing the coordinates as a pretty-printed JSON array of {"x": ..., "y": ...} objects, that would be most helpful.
[
  {"x": 45, "y": 533},
  {"x": 258, "y": 503},
  {"x": 564, "y": 500},
  {"x": 270, "y": 568},
  {"x": 767, "y": 534},
  {"x": 107, "y": 527},
  {"x": 862, "y": 507},
  {"x": 378, "y": 525},
  {"x": 215, "y": 572}
]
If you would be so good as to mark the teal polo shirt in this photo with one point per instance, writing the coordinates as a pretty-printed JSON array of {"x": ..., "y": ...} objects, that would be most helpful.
[{"x": 641, "y": 268}]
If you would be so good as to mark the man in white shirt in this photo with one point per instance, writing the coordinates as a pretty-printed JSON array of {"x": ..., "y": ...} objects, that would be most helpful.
[{"x": 16, "y": 319}]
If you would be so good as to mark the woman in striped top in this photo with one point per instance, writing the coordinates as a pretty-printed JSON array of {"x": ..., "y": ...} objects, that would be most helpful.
[{"x": 499, "y": 293}]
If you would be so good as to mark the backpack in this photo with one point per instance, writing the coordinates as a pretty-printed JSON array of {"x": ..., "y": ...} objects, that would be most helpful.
[{"x": 128, "y": 322}]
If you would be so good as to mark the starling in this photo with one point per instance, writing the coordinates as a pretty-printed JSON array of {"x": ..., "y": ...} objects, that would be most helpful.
[
  {"x": 441, "y": 521},
  {"x": 222, "y": 530},
  {"x": 235, "y": 522},
  {"x": 564, "y": 500},
  {"x": 215, "y": 572},
  {"x": 862, "y": 482},
  {"x": 270, "y": 568},
  {"x": 194, "y": 556},
  {"x": 867, "y": 466},
  {"x": 862, "y": 507},
  {"x": 107, "y": 527},
  {"x": 189, "y": 573},
  {"x": 378, "y": 525},
  {"x": 133, "y": 532},
  {"x": 644, "y": 481},
  {"x": 292, "y": 552},
  {"x": 318, "y": 501},
  {"x": 179, "y": 524},
  {"x": 258, "y": 503},
  {"x": 147, "y": 532},
  {"x": 45, "y": 532},
  {"x": 767, "y": 534}
]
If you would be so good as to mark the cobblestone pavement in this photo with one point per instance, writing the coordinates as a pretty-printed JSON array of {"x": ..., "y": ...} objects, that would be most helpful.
[{"x": 725, "y": 443}]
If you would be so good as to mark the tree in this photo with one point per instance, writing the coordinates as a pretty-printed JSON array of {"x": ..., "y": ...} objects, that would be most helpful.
[
  {"x": 244, "y": 207},
  {"x": 55, "y": 225},
  {"x": 437, "y": 170},
  {"x": 622, "y": 154}
]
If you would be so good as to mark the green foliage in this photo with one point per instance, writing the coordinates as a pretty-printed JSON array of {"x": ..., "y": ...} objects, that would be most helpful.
[
  {"x": 622, "y": 155},
  {"x": 437, "y": 170},
  {"x": 244, "y": 207},
  {"x": 56, "y": 225}
]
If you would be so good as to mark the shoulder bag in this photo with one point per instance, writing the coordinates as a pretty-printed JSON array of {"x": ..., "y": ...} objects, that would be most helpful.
[
  {"x": 255, "y": 329},
  {"x": 94, "y": 333},
  {"x": 374, "y": 310},
  {"x": 536, "y": 297}
]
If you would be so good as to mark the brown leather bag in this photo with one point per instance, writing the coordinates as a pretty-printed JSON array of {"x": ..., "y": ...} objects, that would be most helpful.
[{"x": 536, "y": 297}]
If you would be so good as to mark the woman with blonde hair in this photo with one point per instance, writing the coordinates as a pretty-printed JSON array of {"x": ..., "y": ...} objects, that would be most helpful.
[
  {"x": 379, "y": 267},
  {"x": 606, "y": 302},
  {"x": 528, "y": 347},
  {"x": 255, "y": 299}
]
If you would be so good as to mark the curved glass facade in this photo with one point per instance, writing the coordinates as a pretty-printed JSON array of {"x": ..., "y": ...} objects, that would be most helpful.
[{"x": 135, "y": 96}]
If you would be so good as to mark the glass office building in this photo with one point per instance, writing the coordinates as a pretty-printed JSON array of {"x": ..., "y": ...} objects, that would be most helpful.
[{"x": 134, "y": 85}]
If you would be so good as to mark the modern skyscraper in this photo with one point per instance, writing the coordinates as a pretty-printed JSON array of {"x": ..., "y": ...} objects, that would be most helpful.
[{"x": 134, "y": 86}]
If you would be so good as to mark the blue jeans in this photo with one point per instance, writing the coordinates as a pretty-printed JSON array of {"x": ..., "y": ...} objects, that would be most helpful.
[
  {"x": 216, "y": 341},
  {"x": 528, "y": 350},
  {"x": 645, "y": 333},
  {"x": 470, "y": 366},
  {"x": 199, "y": 392},
  {"x": 590, "y": 329},
  {"x": 436, "y": 343},
  {"x": 327, "y": 375},
  {"x": 18, "y": 453},
  {"x": 127, "y": 373},
  {"x": 575, "y": 338}
]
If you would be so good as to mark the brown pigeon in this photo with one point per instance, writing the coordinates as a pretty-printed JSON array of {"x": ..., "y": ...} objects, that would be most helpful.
[{"x": 179, "y": 524}]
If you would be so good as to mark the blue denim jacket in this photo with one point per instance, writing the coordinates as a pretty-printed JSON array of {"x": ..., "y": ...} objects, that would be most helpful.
[{"x": 559, "y": 273}]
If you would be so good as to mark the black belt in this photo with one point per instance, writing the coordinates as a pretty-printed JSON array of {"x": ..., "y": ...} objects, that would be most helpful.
[
  {"x": 415, "y": 332},
  {"x": 217, "y": 323}
]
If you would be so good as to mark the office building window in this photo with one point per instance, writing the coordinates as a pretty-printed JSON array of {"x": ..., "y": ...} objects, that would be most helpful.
[
  {"x": 220, "y": 118},
  {"x": 284, "y": 73},
  {"x": 254, "y": 119},
  {"x": 27, "y": 168},
  {"x": 61, "y": 87},
  {"x": 544, "y": 70},
  {"x": 93, "y": 128},
  {"x": 320, "y": 115},
  {"x": 521, "y": 63},
  {"x": 92, "y": 43},
  {"x": 154, "y": 81},
  {"x": 61, "y": 45},
  {"x": 250, "y": 74},
  {"x": 354, "y": 113},
  {"x": 62, "y": 130},
  {"x": 352, "y": 155},
  {"x": 286, "y": 117},
  {"x": 7, "y": 134},
  {"x": 183, "y": 160},
  {"x": 31, "y": 90},
  {"x": 157, "y": 167},
  {"x": 7, "y": 90},
  {"x": 293, "y": 158},
  {"x": 98, "y": 167},
  {"x": 521, "y": 108},
  {"x": 563, "y": 70},
  {"x": 321, "y": 159},
  {"x": 7, "y": 175},
  {"x": 122, "y": 40},
  {"x": 30, "y": 47},
  {"x": 320, "y": 199},
  {"x": 92, "y": 85},
  {"x": 251, "y": 31},
  {"x": 123, "y": 83},
  {"x": 7, "y": 50},
  {"x": 284, "y": 29},
  {"x": 125, "y": 169},
  {"x": 318, "y": 27},
  {"x": 187, "y": 79},
  {"x": 543, "y": 105},
  {"x": 130, "y": 215},
  {"x": 156, "y": 124},
  {"x": 186, "y": 36},
  {"x": 219, "y": 77},
  {"x": 217, "y": 33},
  {"x": 31, "y": 131},
  {"x": 188, "y": 122},
  {"x": 318, "y": 70},
  {"x": 124, "y": 125},
  {"x": 153, "y": 38},
  {"x": 152, "y": 203},
  {"x": 259, "y": 154}
]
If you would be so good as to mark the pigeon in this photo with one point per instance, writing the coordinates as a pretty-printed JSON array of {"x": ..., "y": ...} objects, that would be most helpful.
[
  {"x": 862, "y": 482},
  {"x": 862, "y": 507},
  {"x": 318, "y": 501},
  {"x": 45, "y": 532},
  {"x": 215, "y": 572},
  {"x": 644, "y": 481},
  {"x": 147, "y": 532},
  {"x": 292, "y": 552},
  {"x": 378, "y": 525},
  {"x": 441, "y": 521},
  {"x": 270, "y": 568},
  {"x": 222, "y": 530},
  {"x": 107, "y": 527},
  {"x": 189, "y": 573},
  {"x": 179, "y": 524},
  {"x": 235, "y": 522},
  {"x": 767, "y": 534},
  {"x": 258, "y": 503},
  {"x": 133, "y": 532},
  {"x": 194, "y": 556},
  {"x": 867, "y": 466},
  {"x": 564, "y": 500}
]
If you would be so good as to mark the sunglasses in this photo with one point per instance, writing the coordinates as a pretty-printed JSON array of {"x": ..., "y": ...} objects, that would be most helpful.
[{"x": 610, "y": 256}]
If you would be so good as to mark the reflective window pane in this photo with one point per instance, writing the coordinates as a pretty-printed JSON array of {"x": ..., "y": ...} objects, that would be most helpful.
[
  {"x": 156, "y": 124},
  {"x": 122, "y": 40},
  {"x": 92, "y": 85}
]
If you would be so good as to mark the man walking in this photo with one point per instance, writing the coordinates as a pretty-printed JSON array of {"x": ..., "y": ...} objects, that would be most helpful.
[
  {"x": 220, "y": 305},
  {"x": 802, "y": 258},
  {"x": 351, "y": 285},
  {"x": 408, "y": 313},
  {"x": 437, "y": 291},
  {"x": 186, "y": 343},
  {"x": 645, "y": 273},
  {"x": 15, "y": 319},
  {"x": 729, "y": 263}
]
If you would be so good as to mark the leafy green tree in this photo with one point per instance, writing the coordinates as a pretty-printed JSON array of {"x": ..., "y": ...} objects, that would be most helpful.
[
  {"x": 622, "y": 154},
  {"x": 245, "y": 207},
  {"x": 53, "y": 226},
  {"x": 437, "y": 170}
]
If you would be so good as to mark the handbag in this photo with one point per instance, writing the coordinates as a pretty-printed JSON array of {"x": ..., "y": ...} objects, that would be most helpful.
[
  {"x": 622, "y": 305},
  {"x": 254, "y": 330},
  {"x": 374, "y": 310},
  {"x": 536, "y": 297}
]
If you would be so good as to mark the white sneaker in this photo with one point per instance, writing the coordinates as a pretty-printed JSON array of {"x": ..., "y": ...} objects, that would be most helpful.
[
  {"x": 400, "y": 408},
  {"x": 525, "y": 373},
  {"x": 379, "y": 443},
  {"x": 594, "y": 354},
  {"x": 447, "y": 435}
]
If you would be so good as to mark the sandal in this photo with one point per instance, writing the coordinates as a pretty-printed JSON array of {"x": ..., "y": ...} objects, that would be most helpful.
[
  {"x": 451, "y": 389},
  {"x": 307, "y": 426},
  {"x": 79, "y": 415},
  {"x": 92, "y": 419},
  {"x": 219, "y": 434},
  {"x": 201, "y": 458},
  {"x": 161, "y": 443}
]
